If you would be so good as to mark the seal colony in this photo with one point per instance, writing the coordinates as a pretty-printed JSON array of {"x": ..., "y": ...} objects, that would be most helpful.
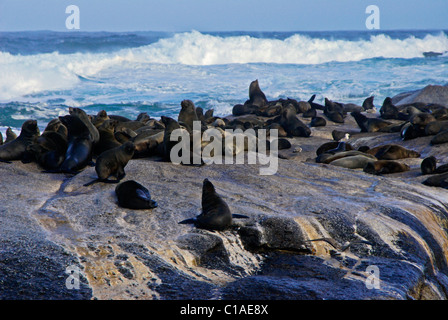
[{"x": 75, "y": 141}]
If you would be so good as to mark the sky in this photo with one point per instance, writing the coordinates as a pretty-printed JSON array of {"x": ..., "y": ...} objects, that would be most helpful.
[{"x": 222, "y": 15}]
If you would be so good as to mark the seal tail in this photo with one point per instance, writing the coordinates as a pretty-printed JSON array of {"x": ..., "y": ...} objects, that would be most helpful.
[
  {"x": 5, "y": 161},
  {"x": 239, "y": 216}
]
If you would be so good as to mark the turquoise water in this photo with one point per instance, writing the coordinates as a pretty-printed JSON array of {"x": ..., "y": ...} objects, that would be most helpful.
[{"x": 127, "y": 73}]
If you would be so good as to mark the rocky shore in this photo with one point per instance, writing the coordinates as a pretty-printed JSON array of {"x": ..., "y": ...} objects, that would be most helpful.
[{"x": 52, "y": 226}]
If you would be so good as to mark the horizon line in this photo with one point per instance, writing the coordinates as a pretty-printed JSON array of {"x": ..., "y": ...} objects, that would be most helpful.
[{"x": 226, "y": 31}]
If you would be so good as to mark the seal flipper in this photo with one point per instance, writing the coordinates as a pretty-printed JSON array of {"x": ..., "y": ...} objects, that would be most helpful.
[
  {"x": 91, "y": 182},
  {"x": 239, "y": 216},
  {"x": 5, "y": 161},
  {"x": 188, "y": 221},
  {"x": 100, "y": 180}
]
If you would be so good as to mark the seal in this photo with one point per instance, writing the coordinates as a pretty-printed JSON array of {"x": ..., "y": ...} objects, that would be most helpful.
[
  {"x": 1, "y": 139},
  {"x": 311, "y": 113},
  {"x": 422, "y": 119},
  {"x": 208, "y": 115},
  {"x": 50, "y": 148},
  {"x": 388, "y": 110},
  {"x": 280, "y": 130},
  {"x": 143, "y": 117},
  {"x": 10, "y": 135},
  {"x": 256, "y": 96},
  {"x": 333, "y": 111},
  {"x": 100, "y": 117},
  {"x": 133, "y": 195},
  {"x": 125, "y": 135},
  {"x": 107, "y": 137},
  {"x": 16, "y": 149},
  {"x": 436, "y": 127},
  {"x": 187, "y": 115},
  {"x": 409, "y": 131},
  {"x": 338, "y": 135},
  {"x": 333, "y": 147},
  {"x": 215, "y": 213},
  {"x": 438, "y": 180},
  {"x": 385, "y": 167},
  {"x": 81, "y": 114},
  {"x": 328, "y": 157},
  {"x": 293, "y": 125},
  {"x": 167, "y": 145},
  {"x": 318, "y": 122},
  {"x": 315, "y": 105},
  {"x": 393, "y": 152},
  {"x": 428, "y": 165},
  {"x": 80, "y": 145},
  {"x": 147, "y": 143},
  {"x": 441, "y": 137},
  {"x": 442, "y": 169},
  {"x": 131, "y": 124},
  {"x": 112, "y": 163},
  {"x": 368, "y": 105},
  {"x": 353, "y": 162},
  {"x": 240, "y": 109},
  {"x": 55, "y": 125},
  {"x": 369, "y": 124}
]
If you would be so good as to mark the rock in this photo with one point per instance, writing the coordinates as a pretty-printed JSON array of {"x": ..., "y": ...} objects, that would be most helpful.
[
  {"x": 315, "y": 231},
  {"x": 431, "y": 94},
  {"x": 146, "y": 254}
]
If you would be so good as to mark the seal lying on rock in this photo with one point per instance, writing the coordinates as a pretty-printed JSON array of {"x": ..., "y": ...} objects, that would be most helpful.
[
  {"x": 353, "y": 162},
  {"x": 215, "y": 214},
  {"x": 369, "y": 124},
  {"x": 133, "y": 195},
  {"x": 385, "y": 167},
  {"x": 438, "y": 180},
  {"x": 393, "y": 152},
  {"x": 292, "y": 125}
]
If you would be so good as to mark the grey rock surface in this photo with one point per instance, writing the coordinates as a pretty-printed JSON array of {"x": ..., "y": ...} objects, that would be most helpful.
[{"x": 430, "y": 94}]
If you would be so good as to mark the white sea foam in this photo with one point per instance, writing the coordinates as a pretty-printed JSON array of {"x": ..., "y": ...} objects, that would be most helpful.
[{"x": 33, "y": 74}]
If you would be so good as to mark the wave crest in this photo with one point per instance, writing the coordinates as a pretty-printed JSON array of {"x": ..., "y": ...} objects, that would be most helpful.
[{"x": 30, "y": 74}]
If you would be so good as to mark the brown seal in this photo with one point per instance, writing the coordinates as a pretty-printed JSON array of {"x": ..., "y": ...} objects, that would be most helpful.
[
  {"x": 112, "y": 163},
  {"x": 369, "y": 124},
  {"x": 385, "y": 167},
  {"x": 393, "y": 152},
  {"x": 107, "y": 137},
  {"x": 187, "y": 115},
  {"x": 292, "y": 125}
]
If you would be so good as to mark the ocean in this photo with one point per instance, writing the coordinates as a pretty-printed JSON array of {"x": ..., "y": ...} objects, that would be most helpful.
[{"x": 45, "y": 72}]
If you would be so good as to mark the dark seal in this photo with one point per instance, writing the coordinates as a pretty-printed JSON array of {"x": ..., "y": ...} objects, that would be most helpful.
[
  {"x": 215, "y": 214},
  {"x": 16, "y": 149},
  {"x": 80, "y": 145},
  {"x": 133, "y": 195}
]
